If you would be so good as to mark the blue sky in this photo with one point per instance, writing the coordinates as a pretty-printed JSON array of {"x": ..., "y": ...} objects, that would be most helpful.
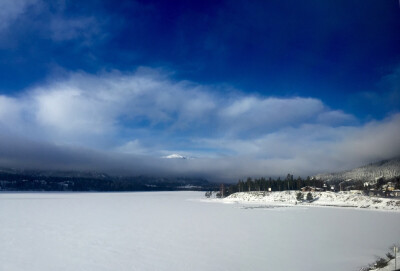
[{"x": 260, "y": 88}]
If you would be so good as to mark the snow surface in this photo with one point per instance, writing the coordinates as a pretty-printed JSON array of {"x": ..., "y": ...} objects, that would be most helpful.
[
  {"x": 340, "y": 199},
  {"x": 183, "y": 231}
]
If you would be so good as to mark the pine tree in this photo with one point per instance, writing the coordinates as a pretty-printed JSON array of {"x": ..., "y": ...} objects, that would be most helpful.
[{"x": 249, "y": 183}]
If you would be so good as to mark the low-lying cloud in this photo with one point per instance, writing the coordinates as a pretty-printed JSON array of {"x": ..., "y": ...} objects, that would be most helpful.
[{"x": 128, "y": 121}]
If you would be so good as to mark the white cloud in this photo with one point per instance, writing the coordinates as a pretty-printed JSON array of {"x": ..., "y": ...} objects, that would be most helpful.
[
  {"x": 95, "y": 105},
  {"x": 314, "y": 148},
  {"x": 48, "y": 19},
  {"x": 336, "y": 117},
  {"x": 375, "y": 140},
  {"x": 9, "y": 107},
  {"x": 133, "y": 147},
  {"x": 71, "y": 110},
  {"x": 11, "y": 10},
  {"x": 265, "y": 114},
  {"x": 146, "y": 113}
]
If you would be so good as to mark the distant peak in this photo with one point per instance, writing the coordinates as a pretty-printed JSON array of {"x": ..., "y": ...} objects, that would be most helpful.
[{"x": 174, "y": 156}]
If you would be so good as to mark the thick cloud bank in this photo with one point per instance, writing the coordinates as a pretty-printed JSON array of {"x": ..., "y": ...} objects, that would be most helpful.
[{"x": 113, "y": 121}]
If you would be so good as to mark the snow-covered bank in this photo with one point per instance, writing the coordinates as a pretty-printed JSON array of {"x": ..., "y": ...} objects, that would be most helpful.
[
  {"x": 340, "y": 199},
  {"x": 390, "y": 266}
]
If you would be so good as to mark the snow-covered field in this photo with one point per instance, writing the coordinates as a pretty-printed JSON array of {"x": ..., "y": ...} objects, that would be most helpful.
[
  {"x": 181, "y": 231},
  {"x": 340, "y": 199}
]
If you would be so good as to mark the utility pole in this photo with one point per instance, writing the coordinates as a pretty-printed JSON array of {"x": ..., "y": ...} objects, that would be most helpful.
[
  {"x": 395, "y": 257},
  {"x": 222, "y": 190}
]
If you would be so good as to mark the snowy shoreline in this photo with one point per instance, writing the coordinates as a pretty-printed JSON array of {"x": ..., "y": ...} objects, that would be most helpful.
[{"x": 320, "y": 199}]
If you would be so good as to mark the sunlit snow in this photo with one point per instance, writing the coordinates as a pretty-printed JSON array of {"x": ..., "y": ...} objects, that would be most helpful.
[{"x": 179, "y": 231}]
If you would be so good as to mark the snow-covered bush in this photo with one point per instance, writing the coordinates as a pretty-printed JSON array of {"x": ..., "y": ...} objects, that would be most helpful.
[
  {"x": 390, "y": 256},
  {"x": 299, "y": 196},
  {"x": 380, "y": 263}
]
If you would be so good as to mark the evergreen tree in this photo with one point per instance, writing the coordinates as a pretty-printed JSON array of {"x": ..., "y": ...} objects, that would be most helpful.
[
  {"x": 249, "y": 183},
  {"x": 240, "y": 186},
  {"x": 263, "y": 184},
  {"x": 309, "y": 196},
  {"x": 299, "y": 182}
]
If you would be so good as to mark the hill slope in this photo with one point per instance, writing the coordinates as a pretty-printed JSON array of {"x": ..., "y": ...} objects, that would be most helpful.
[{"x": 369, "y": 173}]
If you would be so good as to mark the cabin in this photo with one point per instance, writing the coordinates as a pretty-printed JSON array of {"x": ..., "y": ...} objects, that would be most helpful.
[
  {"x": 311, "y": 189},
  {"x": 395, "y": 193},
  {"x": 386, "y": 193},
  {"x": 389, "y": 186},
  {"x": 356, "y": 191}
]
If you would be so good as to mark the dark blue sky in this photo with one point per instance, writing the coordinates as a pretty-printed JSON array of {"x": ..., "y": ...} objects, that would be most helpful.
[
  {"x": 325, "y": 49},
  {"x": 217, "y": 78}
]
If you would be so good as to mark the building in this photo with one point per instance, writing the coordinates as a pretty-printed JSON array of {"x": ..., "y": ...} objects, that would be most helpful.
[{"x": 311, "y": 189}]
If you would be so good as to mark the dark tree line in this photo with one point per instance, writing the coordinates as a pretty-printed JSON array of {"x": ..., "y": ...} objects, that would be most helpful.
[
  {"x": 39, "y": 182},
  {"x": 270, "y": 184},
  {"x": 290, "y": 183}
]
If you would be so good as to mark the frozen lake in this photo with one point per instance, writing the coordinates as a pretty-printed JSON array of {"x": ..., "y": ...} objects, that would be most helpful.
[{"x": 177, "y": 231}]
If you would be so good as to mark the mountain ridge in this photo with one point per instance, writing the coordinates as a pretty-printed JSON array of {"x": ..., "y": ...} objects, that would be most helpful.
[{"x": 388, "y": 168}]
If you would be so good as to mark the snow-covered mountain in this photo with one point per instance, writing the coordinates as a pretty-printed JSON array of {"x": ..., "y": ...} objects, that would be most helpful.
[
  {"x": 175, "y": 156},
  {"x": 178, "y": 156},
  {"x": 369, "y": 173}
]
